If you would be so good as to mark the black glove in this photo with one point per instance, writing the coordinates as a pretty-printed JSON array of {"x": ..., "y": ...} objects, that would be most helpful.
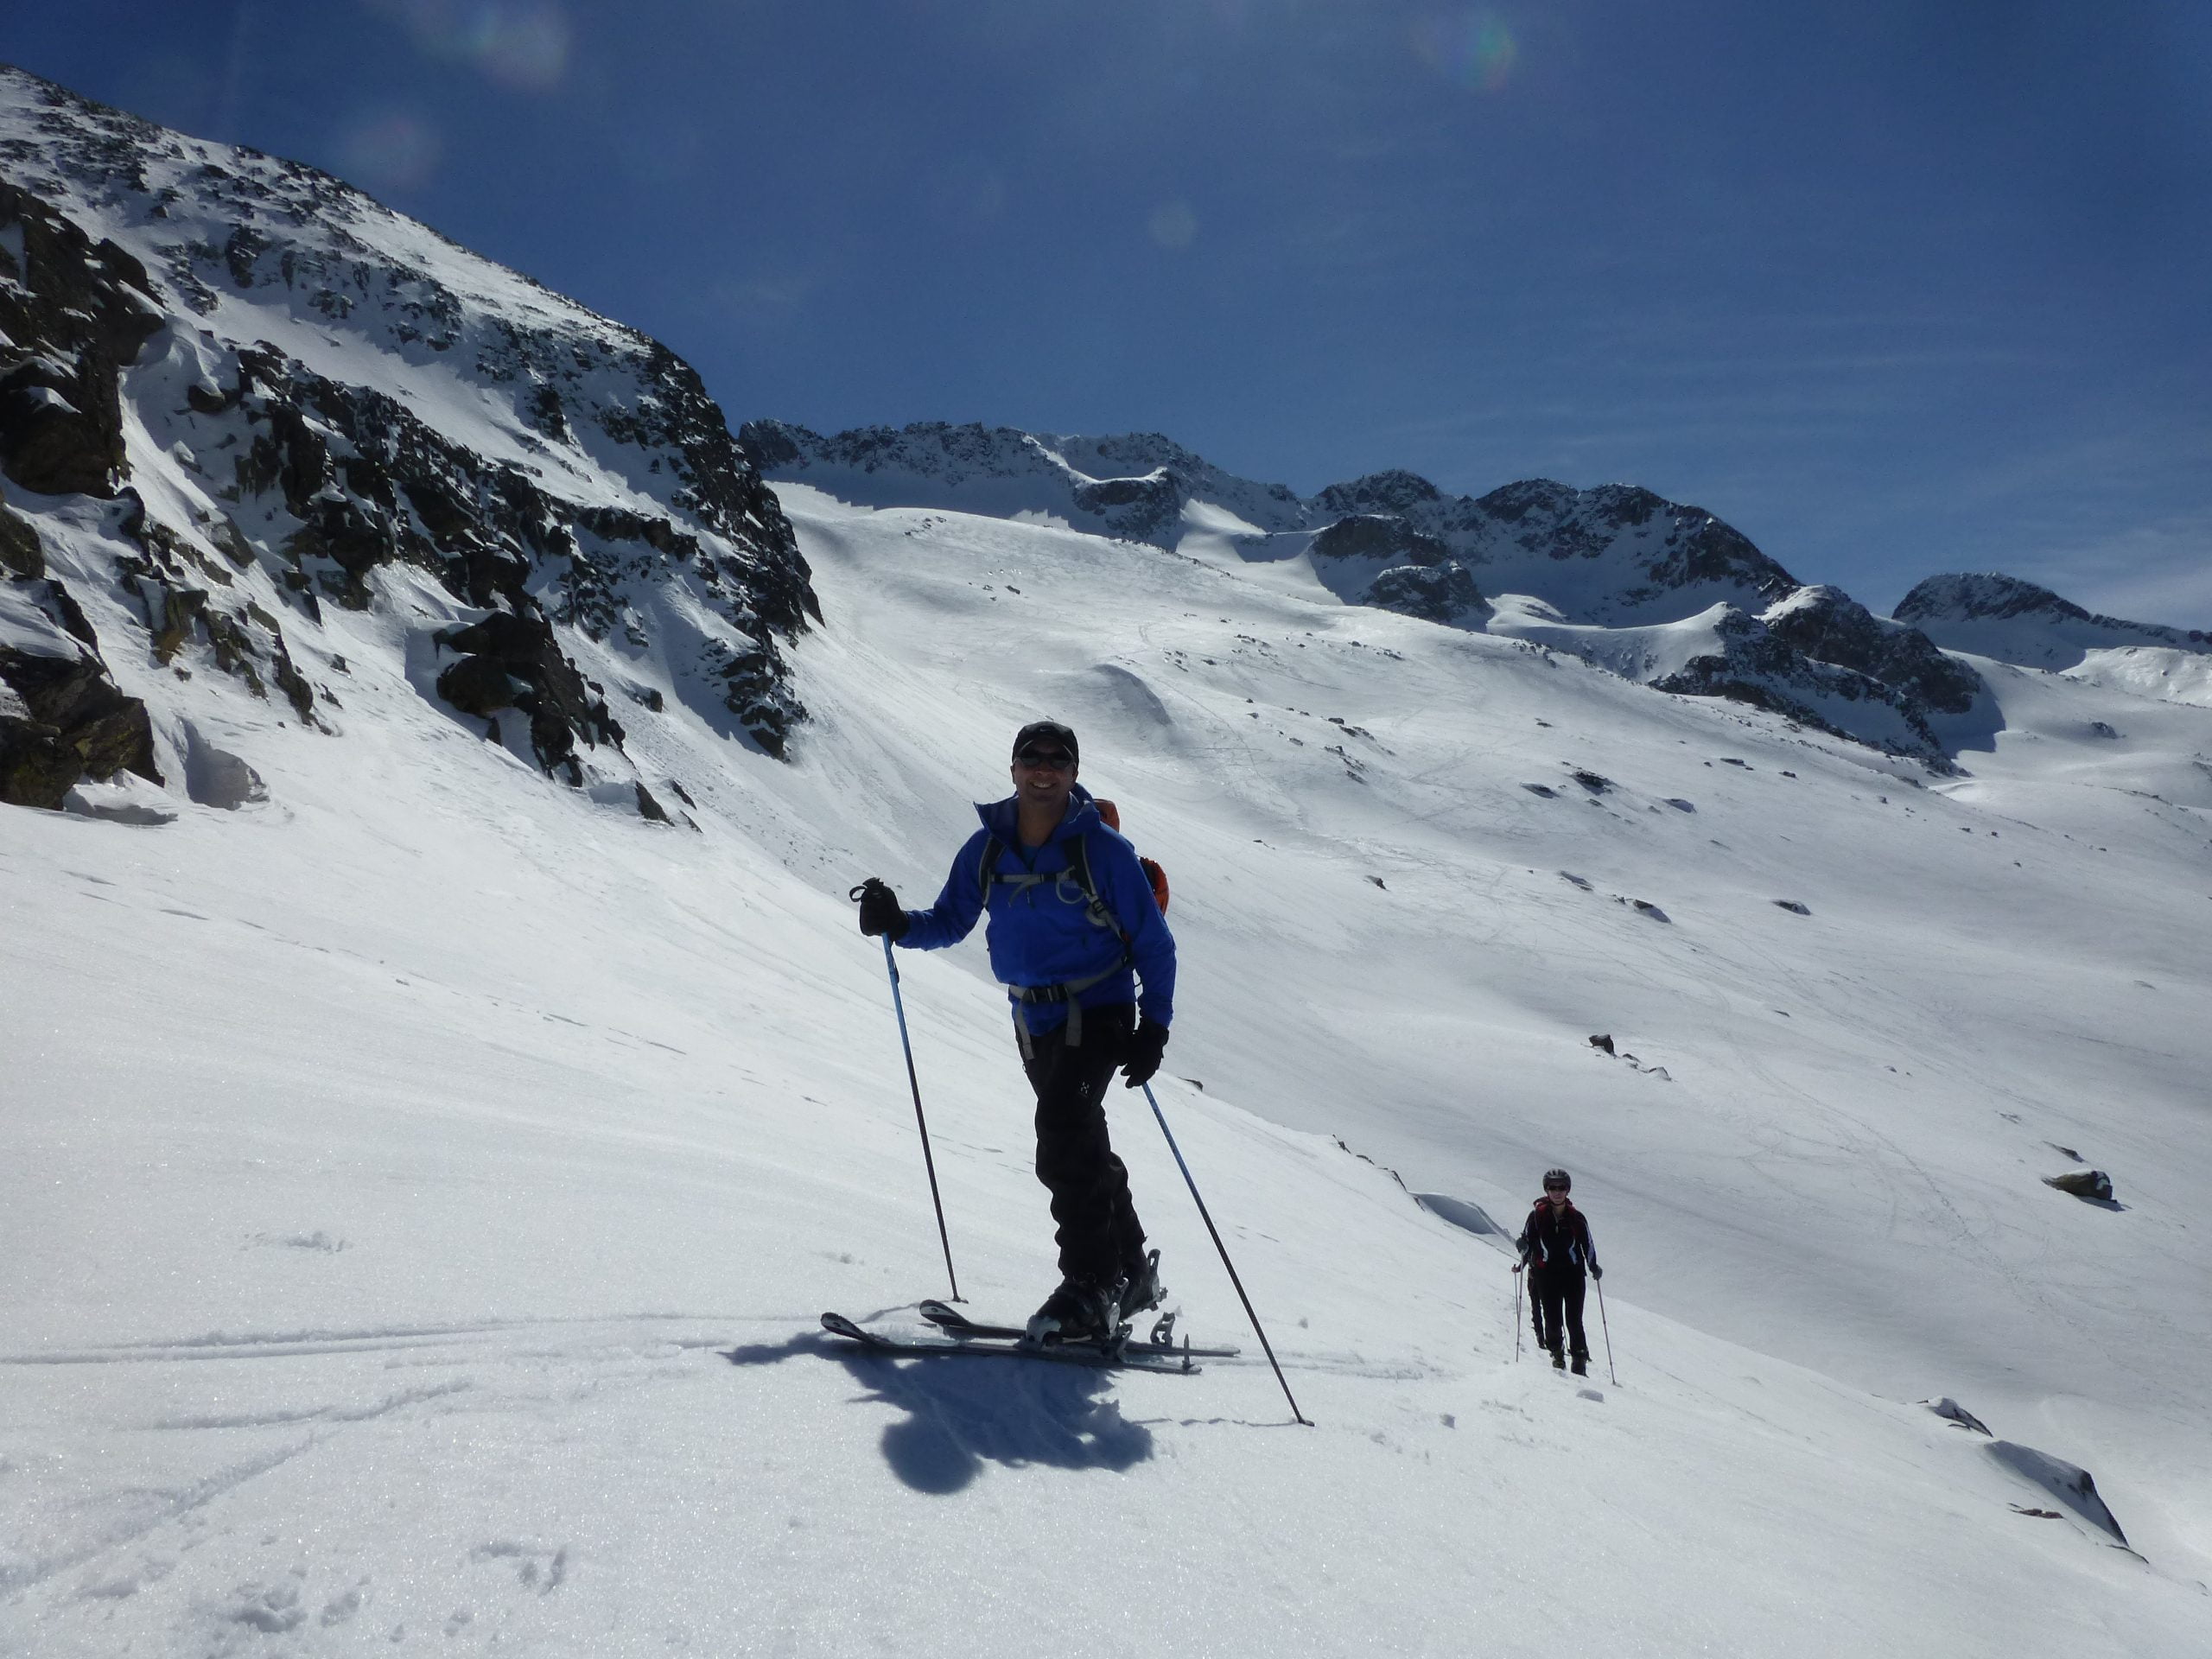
[
  {"x": 1597, "y": 1272},
  {"x": 1142, "y": 1059},
  {"x": 880, "y": 911}
]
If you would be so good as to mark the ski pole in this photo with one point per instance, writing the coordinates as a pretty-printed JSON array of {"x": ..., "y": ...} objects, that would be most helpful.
[
  {"x": 1607, "y": 1329},
  {"x": 1203, "y": 1216},
  {"x": 1516, "y": 1316},
  {"x": 914, "y": 1083}
]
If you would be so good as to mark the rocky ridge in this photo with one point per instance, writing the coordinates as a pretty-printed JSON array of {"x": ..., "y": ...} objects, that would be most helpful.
[
  {"x": 1661, "y": 592},
  {"x": 2017, "y": 622},
  {"x": 234, "y": 390}
]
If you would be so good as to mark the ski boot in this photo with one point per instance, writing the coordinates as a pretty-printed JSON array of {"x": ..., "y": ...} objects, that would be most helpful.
[
  {"x": 1081, "y": 1310},
  {"x": 1140, "y": 1288}
]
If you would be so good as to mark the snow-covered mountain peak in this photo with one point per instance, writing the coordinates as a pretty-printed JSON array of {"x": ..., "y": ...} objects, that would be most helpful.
[
  {"x": 2015, "y": 621},
  {"x": 2001, "y": 616},
  {"x": 233, "y": 389}
]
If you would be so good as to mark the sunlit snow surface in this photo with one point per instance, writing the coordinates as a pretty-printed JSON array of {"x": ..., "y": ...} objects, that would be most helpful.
[{"x": 421, "y": 1186}]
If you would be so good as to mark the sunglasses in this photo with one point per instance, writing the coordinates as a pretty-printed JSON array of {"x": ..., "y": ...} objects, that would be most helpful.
[
  {"x": 1555, "y": 1189},
  {"x": 1056, "y": 759}
]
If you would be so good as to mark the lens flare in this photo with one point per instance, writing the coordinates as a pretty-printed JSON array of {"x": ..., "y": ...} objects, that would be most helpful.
[
  {"x": 395, "y": 150},
  {"x": 1474, "y": 48},
  {"x": 519, "y": 43},
  {"x": 1172, "y": 224}
]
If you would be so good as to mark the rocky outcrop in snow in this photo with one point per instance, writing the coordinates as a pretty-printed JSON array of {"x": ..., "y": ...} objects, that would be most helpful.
[
  {"x": 234, "y": 390},
  {"x": 2016, "y": 621},
  {"x": 1133, "y": 486}
]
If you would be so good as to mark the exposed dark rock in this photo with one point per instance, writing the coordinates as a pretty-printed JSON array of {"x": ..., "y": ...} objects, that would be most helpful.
[
  {"x": 1143, "y": 508},
  {"x": 1378, "y": 535},
  {"x": 650, "y": 809},
  {"x": 1793, "y": 907},
  {"x": 1602, "y": 1040},
  {"x": 61, "y": 719},
  {"x": 1755, "y": 667},
  {"x": 362, "y": 481},
  {"x": 1687, "y": 546},
  {"x": 1437, "y": 592},
  {"x": 515, "y": 662},
  {"x": 20, "y": 551},
  {"x": 2082, "y": 1184},
  {"x": 70, "y": 321},
  {"x": 478, "y": 686},
  {"x": 1828, "y": 625},
  {"x": 1393, "y": 492}
]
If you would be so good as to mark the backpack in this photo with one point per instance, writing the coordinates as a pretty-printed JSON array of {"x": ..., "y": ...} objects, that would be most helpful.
[{"x": 1154, "y": 873}]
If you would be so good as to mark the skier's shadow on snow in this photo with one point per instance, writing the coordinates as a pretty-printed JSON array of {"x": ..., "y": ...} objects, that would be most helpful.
[{"x": 963, "y": 1413}]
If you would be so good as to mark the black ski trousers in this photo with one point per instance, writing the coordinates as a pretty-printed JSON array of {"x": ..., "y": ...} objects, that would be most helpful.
[
  {"x": 1556, "y": 1295},
  {"x": 1099, "y": 1235}
]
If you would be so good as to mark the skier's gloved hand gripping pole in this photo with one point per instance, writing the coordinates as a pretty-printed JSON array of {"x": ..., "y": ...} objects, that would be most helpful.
[
  {"x": 879, "y": 914},
  {"x": 1218, "y": 1244}
]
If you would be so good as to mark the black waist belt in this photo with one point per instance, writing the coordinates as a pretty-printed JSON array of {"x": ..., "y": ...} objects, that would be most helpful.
[{"x": 1068, "y": 992}]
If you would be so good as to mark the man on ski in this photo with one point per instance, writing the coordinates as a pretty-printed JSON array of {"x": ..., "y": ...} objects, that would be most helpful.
[
  {"x": 1556, "y": 1247},
  {"x": 1072, "y": 926}
]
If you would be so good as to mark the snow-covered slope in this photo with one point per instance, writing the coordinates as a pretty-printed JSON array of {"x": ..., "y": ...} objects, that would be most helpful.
[
  {"x": 1660, "y": 592},
  {"x": 422, "y": 1182},
  {"x": 428, "y": 1182}
]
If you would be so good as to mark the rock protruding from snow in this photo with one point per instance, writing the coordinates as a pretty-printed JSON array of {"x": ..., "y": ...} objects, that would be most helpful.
[
  {"x": 2070, "y": 1484},
  {"x": 1956, "y": 1415},
  {"x": 1828, "y": 625},
  {"x": 2093, "y": 1184},
  {"x": 291, "y": 390},
  {"x": 1133, "y": 486},
  {"x": 61, "y": 716}
]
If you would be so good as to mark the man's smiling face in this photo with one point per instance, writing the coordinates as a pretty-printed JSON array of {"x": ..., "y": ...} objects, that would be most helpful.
[{"x": 1044, "y": 772}]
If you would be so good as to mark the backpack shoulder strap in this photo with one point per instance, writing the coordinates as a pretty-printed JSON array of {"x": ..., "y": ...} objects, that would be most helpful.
[
  {"x": 1079, "y": 866},
  {"x": 988, "y": 872}
]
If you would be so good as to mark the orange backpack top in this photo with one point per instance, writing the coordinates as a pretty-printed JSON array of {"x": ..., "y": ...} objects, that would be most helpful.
[{"x": 1152, "y": 871}]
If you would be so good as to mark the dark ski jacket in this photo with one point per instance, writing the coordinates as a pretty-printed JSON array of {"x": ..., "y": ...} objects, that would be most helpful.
[
  {"x": 1557, "y": 1244},
  {"x": 1043, "y": 935}
]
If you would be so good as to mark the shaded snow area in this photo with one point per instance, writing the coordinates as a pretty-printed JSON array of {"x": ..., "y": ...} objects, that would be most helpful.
[{"x": 423, "y": 1181}]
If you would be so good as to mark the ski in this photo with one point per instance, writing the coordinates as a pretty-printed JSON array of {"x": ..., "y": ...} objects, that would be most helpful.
[
  {"x": 1161, "y": 1340},
  {"x": 1135, "y": 1357}
]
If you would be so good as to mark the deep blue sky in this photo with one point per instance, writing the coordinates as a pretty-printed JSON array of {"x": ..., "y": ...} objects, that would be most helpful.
[{"x": 1895, "y": 286}]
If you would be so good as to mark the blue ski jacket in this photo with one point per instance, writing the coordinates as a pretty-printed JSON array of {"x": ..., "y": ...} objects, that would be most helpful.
[{"x": 1042, "y": 935}]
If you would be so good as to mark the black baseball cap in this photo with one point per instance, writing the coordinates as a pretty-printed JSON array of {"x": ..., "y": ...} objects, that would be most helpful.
[{"x": 1038, "y": 732}]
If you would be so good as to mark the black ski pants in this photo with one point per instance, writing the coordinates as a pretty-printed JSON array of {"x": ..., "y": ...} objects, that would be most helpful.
[
  {"x": 1557, "y": 1294},
  {"x": 1099, "y": 1235}
]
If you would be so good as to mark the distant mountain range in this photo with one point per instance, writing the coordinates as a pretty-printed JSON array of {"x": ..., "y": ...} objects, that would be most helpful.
[
  {"x": 237, "y": 396},
  {"x": 1659, "y": 592}
]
